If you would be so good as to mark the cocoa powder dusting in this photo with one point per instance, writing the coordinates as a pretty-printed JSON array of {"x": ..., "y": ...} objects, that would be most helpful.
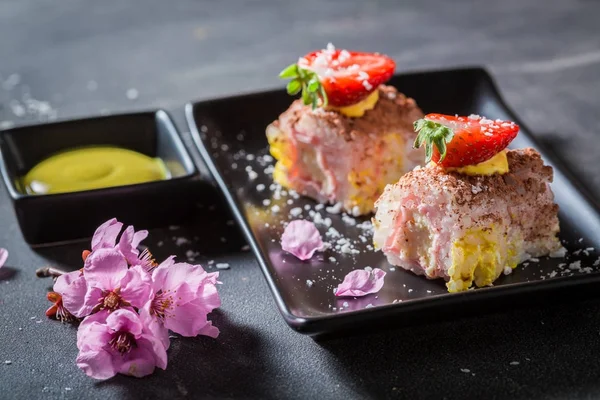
[
  {"x": 525, "y": 182},
  {"x": 394, "y": 112}
]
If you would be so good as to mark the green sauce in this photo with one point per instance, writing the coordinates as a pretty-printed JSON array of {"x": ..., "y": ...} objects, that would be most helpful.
[{"x": 92, "y": 168}]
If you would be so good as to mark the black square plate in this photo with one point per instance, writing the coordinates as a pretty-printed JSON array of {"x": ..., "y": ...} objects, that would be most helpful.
[
  {"x": 230, "y": 134},
  {"x": 62, "y": 217}
]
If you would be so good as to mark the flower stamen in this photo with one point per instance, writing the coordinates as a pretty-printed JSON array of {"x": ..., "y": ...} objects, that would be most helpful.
[
  {"x": 147, "y": 260},
  {"x": 161, "y": 304},
  {"x": 111, "y": 301},
  {"x": 122, "y": 342}
]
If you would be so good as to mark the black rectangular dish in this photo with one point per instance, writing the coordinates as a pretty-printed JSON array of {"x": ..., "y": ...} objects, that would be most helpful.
[
  {"x": 54, "y": 218},
  {"x": 230, "y": 134}
]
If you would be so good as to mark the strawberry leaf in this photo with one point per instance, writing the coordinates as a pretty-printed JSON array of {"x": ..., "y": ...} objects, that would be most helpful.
[{"x": 432, "y": 134}]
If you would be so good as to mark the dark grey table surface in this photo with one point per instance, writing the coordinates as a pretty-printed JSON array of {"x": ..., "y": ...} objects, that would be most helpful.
[{"x": 81, "y": 58}]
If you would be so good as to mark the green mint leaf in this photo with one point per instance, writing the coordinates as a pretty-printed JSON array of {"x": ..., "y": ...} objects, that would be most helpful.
[
  {"x": 291, "y": 71},
  {"x": 314, "y": 84},
  {"x": 306, "y": 97},
  {"x": 294, "y": 87},
  {"x": 306, "y": 81}
]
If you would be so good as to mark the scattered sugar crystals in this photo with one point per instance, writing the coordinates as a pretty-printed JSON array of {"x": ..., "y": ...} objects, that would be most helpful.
[
  {"x": 296, "y": 211},
  {"x": 575, "y": 265},
  {"x": 335, "y": 209},
  {"x": 560, "y": 253}
]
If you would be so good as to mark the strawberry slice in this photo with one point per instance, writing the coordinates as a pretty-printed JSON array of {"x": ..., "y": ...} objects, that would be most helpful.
[
  {"x": 338, "y": 77},
  {"x": 453, "y": 141}
]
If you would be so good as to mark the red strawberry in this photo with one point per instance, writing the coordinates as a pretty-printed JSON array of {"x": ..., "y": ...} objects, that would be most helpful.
[
  {"x": 452, "y": 141},
  {"x": 339, "y": 77}
]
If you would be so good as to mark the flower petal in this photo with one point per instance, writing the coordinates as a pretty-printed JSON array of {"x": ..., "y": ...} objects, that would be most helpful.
[
  {"x": 64, "y": 281},
  {"x": 73, "y": 288},
  {"x": 106, "y": 234},
  {"x": 208, "y": 293},
  {"x": 93, "y": 332},
  {"x": 153, "y": 326},
  {"x": 136, "y": 286},
  {"x": 159, "y": 274},
  {"x": 97, "y": 364},
  {"x": 158, "y": 349},
  {"x": 209, "y": 330},
  {"x": 142, "y": 359},
  {"x": 130, "y": 240},
  {"x": 170, "y": 277},
  {"x": 188, "y": 319},
  {"x": 91, "y": 299},
  {"x": 301, "y": 238},
  {"x": 138, "y": 237},
  {"x": 3, "y": 256},
  {"x": 361, "y": 282},
  {"x": 126, "y": 321},
  {"x": 104, "y": 269}
]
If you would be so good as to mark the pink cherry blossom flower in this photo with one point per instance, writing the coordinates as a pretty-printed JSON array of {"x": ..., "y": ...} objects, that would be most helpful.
[
  {"x": 183, "y": 296},
  {"x": 301, "y": 238},
  {"x": 361, "y": 282},
  {"x": 3, "y": 256},
  {"x": 111, "y": 284},
  {"x": 128, "y": 246},
  {"x": 118, "y": 342}
]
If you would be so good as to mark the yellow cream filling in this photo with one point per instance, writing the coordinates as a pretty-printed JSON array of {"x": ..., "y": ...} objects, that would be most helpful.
[
  {"x": 495, "y": 165},
  {"x": 369, "y": 183},
  {"x": 358, "y": 109},
  {"x": 480, "y": 256}
]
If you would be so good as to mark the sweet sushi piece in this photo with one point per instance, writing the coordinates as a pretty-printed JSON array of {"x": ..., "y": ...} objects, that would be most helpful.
[
  {"x": 474, "y": 211},
  {"x": 349, "y": 135}
]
